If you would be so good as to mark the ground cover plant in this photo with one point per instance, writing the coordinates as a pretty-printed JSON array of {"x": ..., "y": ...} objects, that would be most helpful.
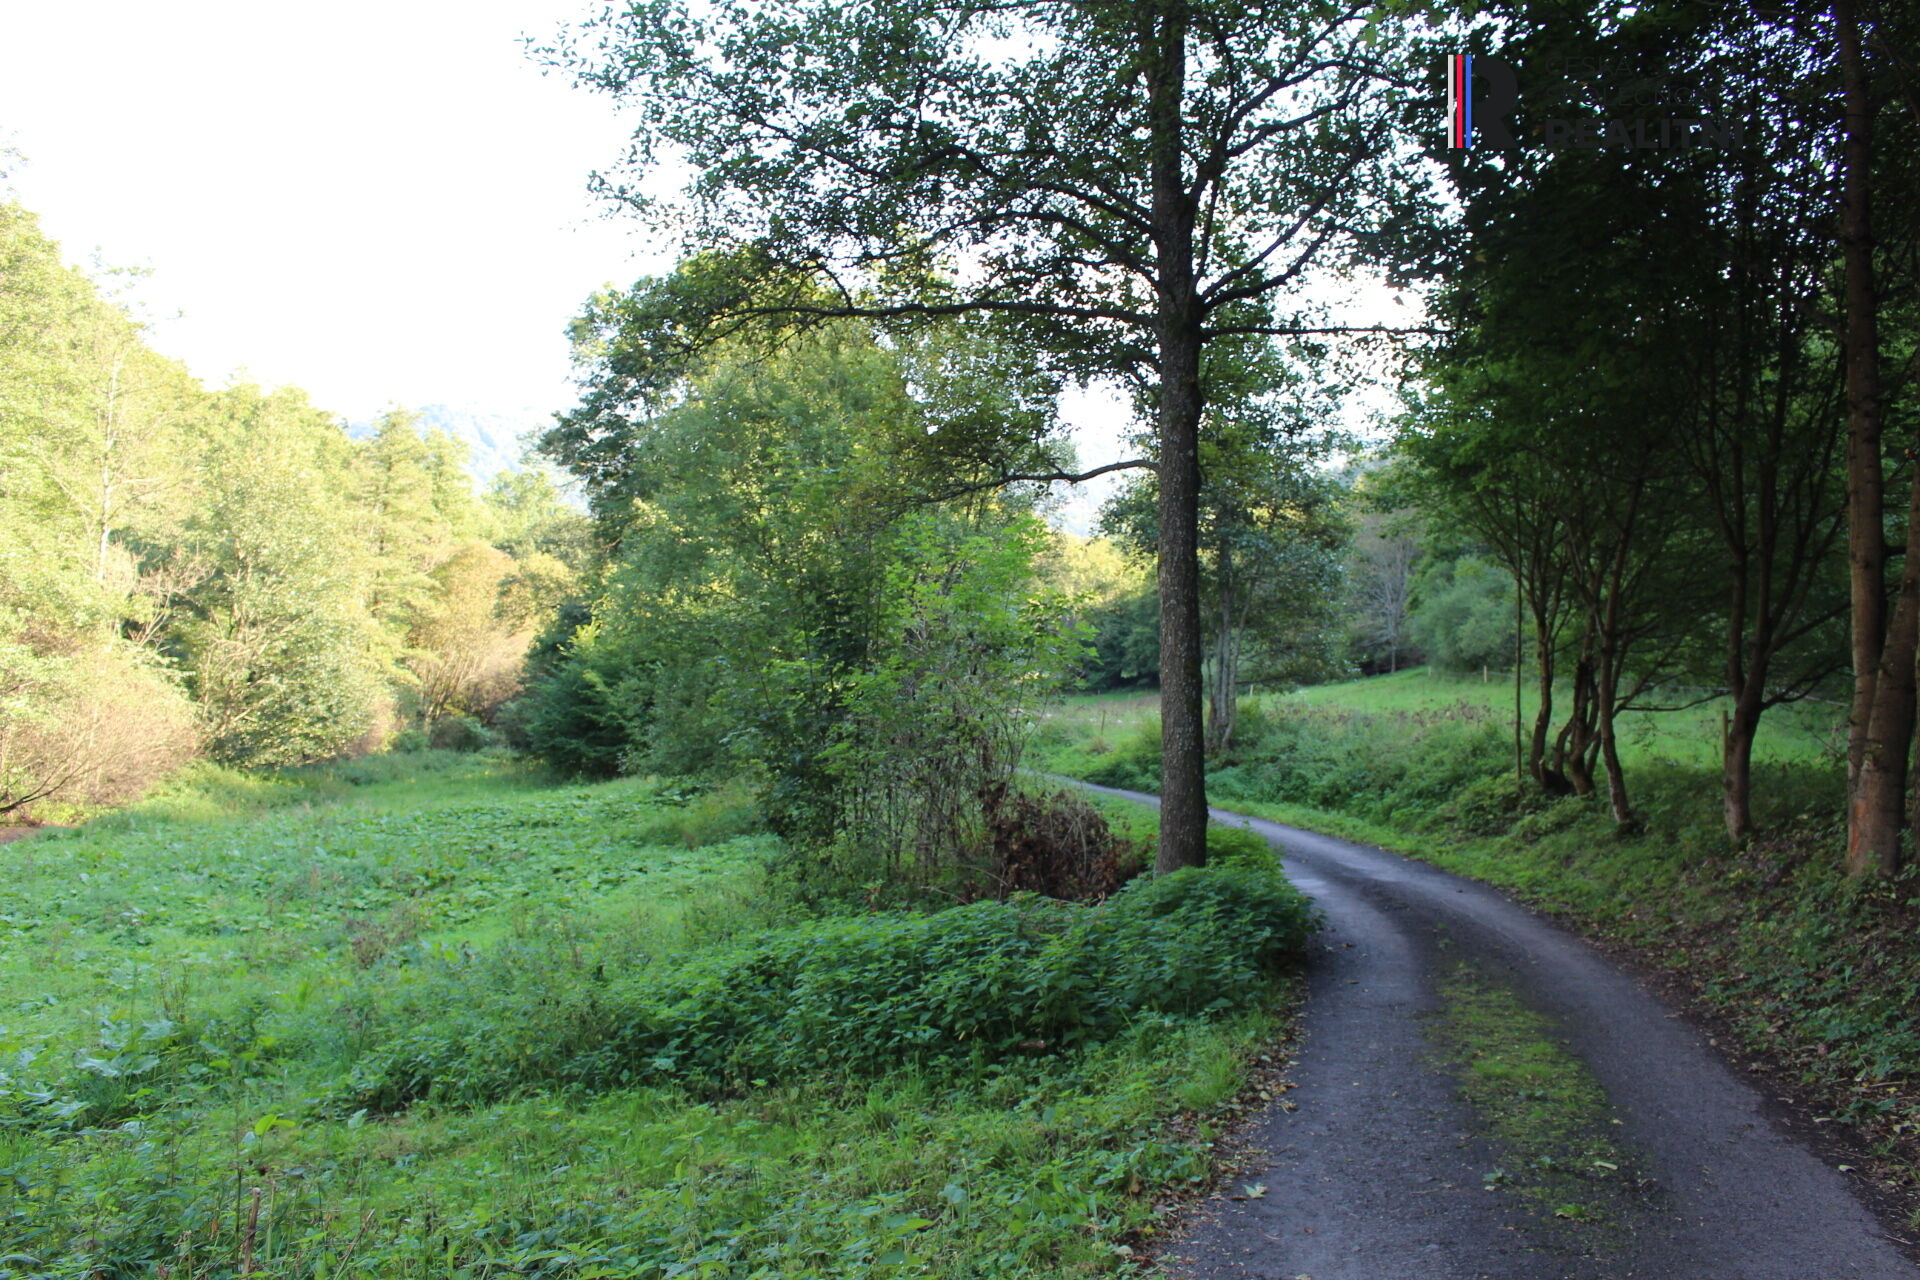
[
  {"x": 1811, "y": 974},
  {"x": 438, "y": 1015}
]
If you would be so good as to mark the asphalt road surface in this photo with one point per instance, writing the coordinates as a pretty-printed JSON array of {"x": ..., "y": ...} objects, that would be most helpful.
[{"x": 1379, "y": 1173}]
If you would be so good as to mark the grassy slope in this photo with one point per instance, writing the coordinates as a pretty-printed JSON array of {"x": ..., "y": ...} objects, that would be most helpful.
[
  {"x": 203, "y": 968},
  {"x": 1817, "y": 980}
]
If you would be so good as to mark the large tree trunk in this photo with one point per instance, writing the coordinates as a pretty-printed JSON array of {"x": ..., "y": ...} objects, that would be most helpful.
[
  {"x": 1183, "y": 790},
  {"x": 1874, "y": 810},
  {"x": 1183, "y": 797},
  {"x": 1866, "y": 537}
]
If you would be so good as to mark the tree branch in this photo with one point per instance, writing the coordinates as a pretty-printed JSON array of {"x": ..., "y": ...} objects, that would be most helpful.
[{"x": 1044, "y": 477}]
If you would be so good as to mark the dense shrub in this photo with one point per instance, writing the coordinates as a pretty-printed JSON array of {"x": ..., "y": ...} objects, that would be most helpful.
[
  {"x": 460, "y": 732},
  {"x": 1134, "y": 761},
  {"x": 1239, "y": 847},
  {"x": 863, "y": 995},
  {"x": 1464, "y": 620},
  {"x": 87, "y": 727},
  {"x": 409, "y": 742},
  {"x": 1371, "y": 766}
]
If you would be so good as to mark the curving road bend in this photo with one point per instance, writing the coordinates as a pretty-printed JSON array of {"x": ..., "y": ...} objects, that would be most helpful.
[{"x": 1378, "y": 1173}]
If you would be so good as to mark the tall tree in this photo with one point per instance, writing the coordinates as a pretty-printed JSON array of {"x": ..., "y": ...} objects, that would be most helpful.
[
  {"x": 1380, "y": 585},
  {"x": 1764, "y": 442},
  {"x": 280, "y": 645},
  {"x": 1885, "y": 634},
  {"x": 1124, "y": 183}
]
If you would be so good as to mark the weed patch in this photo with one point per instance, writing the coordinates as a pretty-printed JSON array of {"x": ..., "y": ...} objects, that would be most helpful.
[
  {"x": 862, "y": 995},
  {"x": 1546, "y": 1114}
]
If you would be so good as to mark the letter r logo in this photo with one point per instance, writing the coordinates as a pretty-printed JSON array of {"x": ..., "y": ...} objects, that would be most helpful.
[{"x": 1476, "y": 116}]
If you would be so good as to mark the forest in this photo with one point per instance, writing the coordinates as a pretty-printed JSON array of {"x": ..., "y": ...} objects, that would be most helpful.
[{"x": 715, "y": 847}]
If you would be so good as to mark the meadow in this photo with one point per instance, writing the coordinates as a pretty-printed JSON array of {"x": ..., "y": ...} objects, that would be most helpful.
[
  {"x": 438, "y": 1015},
  {"x": 1802, "y": 732}
]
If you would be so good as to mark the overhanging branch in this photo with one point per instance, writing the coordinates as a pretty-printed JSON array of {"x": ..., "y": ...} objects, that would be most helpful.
[{"x": 1044, "y": 477}]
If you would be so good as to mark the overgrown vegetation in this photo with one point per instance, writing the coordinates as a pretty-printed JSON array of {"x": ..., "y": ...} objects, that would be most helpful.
[
  {"x": 1813, "y": 973},
  {"x": 433, "y": 1014}
]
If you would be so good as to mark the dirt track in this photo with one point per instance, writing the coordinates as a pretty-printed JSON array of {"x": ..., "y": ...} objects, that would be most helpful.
[{"x": 1379, "y": 1173}]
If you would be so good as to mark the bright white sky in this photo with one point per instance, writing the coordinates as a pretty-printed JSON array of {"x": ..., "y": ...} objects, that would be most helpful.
[
  {"x": 381, "y": 201},
  {"x": 378, "y": 200}
]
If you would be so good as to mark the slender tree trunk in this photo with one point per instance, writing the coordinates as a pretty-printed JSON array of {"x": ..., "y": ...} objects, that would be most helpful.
[
  {"x": 1183, "y": 788},
  {"x": 1225, "y": 669},
  {"x": 1607, "y": 699},
  {"x": 1577, "y": 740},
  {"x": 1736, "y": 764},
  {"x": 1747, "y": 673},
  {"x": 1616, "y": 777},
  {"x": 1877, "y": 814},
  {"x": 1875, "y": 807},
  {"x": 1549, "y": 780},
  {"x": 109, "y": 441},
  {"x": 1866, "y": 537},
  {"x": 1226, "y": 703},
  {"x": 1519, "y": 757}
]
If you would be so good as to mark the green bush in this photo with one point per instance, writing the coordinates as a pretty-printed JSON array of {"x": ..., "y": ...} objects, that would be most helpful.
[
  {"x": 729, "y": 810},
  {"x": 410, "y": 742},
  {"x": 1491, "y": 805},
  {"x": 1133, "y": 763},
  {"x": 862, "y": 995},
  {"x": 459, "y": 732},
  {"x": 1241, "y": 848}
]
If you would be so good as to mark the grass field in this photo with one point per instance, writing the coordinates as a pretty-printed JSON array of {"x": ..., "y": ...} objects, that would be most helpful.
[
  {"x": 1805, "y": 732},
  {"x": 1800, "y": 732},
  {"x": 194, "y": 989}
]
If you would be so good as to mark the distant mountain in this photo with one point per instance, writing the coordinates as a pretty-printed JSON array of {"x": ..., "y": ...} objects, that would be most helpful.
[{"x": 495, "y": 440}]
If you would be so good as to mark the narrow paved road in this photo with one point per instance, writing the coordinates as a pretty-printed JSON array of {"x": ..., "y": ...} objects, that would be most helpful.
[{"x": 1378, "y": 1174}]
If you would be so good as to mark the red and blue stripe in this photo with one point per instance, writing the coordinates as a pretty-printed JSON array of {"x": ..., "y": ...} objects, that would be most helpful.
[{"x": 1460, "y": 100}]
